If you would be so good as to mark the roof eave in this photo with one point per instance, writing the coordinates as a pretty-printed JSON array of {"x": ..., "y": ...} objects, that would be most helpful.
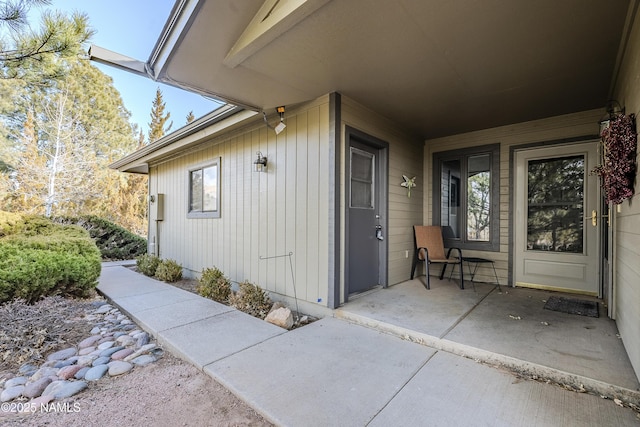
[{"x": 207, "y": 126}]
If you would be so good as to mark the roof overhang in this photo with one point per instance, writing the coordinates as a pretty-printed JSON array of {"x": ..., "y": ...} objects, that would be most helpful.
[
  {"x": 203, "y": 129},
  {"x": 436, "y": 68}
]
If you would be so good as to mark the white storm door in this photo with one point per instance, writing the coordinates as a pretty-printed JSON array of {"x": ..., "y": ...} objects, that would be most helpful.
[{"x": 557, "y": 245}]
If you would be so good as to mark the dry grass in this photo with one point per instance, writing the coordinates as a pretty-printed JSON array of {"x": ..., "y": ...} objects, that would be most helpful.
[{"x": 28, "y": 333}]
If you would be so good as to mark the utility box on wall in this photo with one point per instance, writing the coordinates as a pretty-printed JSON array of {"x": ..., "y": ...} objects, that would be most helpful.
[{"x": 156, "y": 207}]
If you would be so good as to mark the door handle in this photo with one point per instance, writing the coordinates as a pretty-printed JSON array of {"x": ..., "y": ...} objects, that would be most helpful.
[
  {"x": 379, "y": 232},
  {"x": 594, "y": 218}
]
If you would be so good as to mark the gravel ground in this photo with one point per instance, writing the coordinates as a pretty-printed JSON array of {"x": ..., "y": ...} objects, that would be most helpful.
[{"x": 168, "y": 392}]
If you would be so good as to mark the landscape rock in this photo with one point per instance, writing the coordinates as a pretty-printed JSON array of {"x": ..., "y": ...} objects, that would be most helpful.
[
  {"x": 69, "y": 371},
  {"x": 11, "y": 393},
  {"x": 35, "y": 389},
  {"x": 119, "y": 355},
  {"x": 96, "y": 372},
  {"x": 90, "y": 341},
  {"x": 63, "y": 389},
  {"x": 44, "y": 372},
  {"x": 62, "y": 354},
  {"x": 103, "y": 309},
  {"x": 118, "y": 367},
  {"x": 101, "y": 361},
  {"x": 281, "y": 317},
  {"x": 81, "y": 373},
  {"x": 12, "y": 382},
  {"x": 143, "y": 360}
]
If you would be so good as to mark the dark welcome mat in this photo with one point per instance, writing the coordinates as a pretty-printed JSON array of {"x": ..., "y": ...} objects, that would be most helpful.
[{"x": 572, "y": 306}]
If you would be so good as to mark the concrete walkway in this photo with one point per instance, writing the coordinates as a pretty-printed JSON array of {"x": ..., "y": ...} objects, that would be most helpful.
[{"x": 336, "y": 373}]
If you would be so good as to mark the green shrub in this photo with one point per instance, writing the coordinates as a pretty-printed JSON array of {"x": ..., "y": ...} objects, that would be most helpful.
[
  {"x": 39, "y": 258},
  {"x": 115, "y": 242},
  {"x": 148, "y": 264},
  {"x": 169, "y": 271},
  {"x": 8, "y": 222},
  {"x": 251, "y": 300},
  {"x": 214, "y": 285}
]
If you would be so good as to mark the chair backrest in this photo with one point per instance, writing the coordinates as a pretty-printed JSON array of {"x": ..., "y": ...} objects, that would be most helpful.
[{"x": 430, "y": 237}]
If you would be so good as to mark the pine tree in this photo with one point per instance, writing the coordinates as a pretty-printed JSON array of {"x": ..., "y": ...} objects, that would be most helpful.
[
  {"x": 157, "y": 127},
  {"x": 190, "y": 117},
  {"x": 21, "y": 49}
]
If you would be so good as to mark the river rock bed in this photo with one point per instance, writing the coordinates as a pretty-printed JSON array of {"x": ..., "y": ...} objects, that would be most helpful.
[{"x": 113, "y": 347}]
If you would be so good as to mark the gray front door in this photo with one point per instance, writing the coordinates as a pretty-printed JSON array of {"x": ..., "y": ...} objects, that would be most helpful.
[{"x": 366, "y": 227}]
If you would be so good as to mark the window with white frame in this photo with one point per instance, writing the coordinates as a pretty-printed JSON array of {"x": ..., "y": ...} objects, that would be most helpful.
[{"x": 204, "y": 191}]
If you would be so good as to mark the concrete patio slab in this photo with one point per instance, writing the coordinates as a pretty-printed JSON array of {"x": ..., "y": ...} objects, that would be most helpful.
[
  {"x": 410, "y": 305},
  {"x": 327, "y": 373},
  {"x": 451, "y": 390},
  {"x": 208, "y": 340},
  {"x": 516, "y": 324},
  {"x": 181, "y": 313}
]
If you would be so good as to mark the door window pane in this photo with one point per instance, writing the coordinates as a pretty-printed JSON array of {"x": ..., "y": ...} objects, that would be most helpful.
[
  {"x": 362, "y": 178},
  {"x": 555, "y": 209},
  {"x": 478, "y": 197}
]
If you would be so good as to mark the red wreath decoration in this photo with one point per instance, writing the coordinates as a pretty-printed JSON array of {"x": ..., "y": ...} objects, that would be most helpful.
[{"x": 618, "y": 171}]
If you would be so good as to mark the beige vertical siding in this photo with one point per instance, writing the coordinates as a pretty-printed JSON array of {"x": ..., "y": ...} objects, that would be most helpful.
[
  {"x": 627, "y": 221},
  {"x": 262, "y": 214},
  {"x": 405, "y": 157},
  {"x": 538, "y": 131}
]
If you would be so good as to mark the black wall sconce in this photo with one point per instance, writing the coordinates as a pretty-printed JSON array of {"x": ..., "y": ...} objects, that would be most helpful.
[{"x": 260, "y": 163}]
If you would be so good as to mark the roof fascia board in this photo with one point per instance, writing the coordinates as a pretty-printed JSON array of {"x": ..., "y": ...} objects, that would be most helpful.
[
  {"x": 214, "y": 123},
  {"x": 274, "y": 18},
  {"x": 180, "y": 18}
]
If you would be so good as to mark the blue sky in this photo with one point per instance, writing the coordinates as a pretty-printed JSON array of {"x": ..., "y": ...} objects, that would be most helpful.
[{"x": 132, "y": 27}]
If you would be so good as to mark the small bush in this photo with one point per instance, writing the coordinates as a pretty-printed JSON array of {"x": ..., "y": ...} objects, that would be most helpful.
[
  {"x": 40, "y": 258},
  {"x": 169, "y": 271},
  {"x": 214, "y": 285},
  {"x": 251, "y": 300},
  {"x": 115, "y": 242},
  {"x": 148, "y": 264}
]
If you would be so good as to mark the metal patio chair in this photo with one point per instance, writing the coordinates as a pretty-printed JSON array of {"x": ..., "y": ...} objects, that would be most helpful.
[{"x": 429, "y": 248}]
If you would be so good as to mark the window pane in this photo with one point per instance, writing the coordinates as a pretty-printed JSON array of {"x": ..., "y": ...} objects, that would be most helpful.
[
  {"x": 210, "y": 189},
  {"x": 555, "y": 209},
  {"x": 479, "y": 197},
  {"x": 361, "y": 179},
  {"x": 450, "y": 199},
  {"x": 196, "y": 191}
]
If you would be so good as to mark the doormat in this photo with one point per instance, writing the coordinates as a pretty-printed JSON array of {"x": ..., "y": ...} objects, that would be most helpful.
[{"x": 572, "y": 306}]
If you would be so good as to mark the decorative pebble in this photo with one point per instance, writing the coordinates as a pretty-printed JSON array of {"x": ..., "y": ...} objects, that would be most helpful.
[
  {"x": 143, "y": 360},
  {"x": 101, "y": 361},
  {"x": 118, "y": 367},
  {"x": 115, "y": 345},
  {"x": 119, "y": 355},
  {"x": 69, "y": 371},
  {"x": 63, "y": 389},
  {"x": 86, "y": 360},
  {"x": 63, "y": 354},
  {"x": 26, "y": 368},
  {"x": 90, "y": 341},
  {"x": 96, "y": 372},
  {"x": 103, "y": 309},
  {"x": 81, "y": 373},
  {"x": 15, "y": 381},
  {"x": 44, "y": 372},
  {"x": 108, "y": 352},
  {"x": 86, "y": 350},
  {"x": 35, "y": 389},
  {"x": 143, "y": 340},
  {"x": 11, "y": 393}
]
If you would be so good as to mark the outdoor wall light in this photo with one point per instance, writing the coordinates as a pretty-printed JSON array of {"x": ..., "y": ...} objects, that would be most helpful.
[
  {"x": 260, "y": 163},
  {"x": 280, "y": 126}
]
